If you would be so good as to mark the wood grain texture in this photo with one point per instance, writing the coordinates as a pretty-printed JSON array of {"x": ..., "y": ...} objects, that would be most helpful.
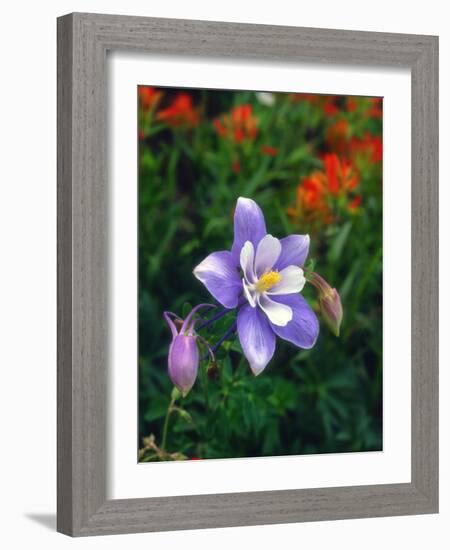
[
  {"x": 83, "y": 41},
  {"x": 64, "y": 297},
  {"x": 425, "y": 272}
]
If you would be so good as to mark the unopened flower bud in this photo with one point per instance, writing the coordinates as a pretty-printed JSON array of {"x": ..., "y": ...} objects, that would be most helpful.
[
  {"x": 183, "y": 362},
  {"x": 329, "y": 302},
  {"x": 183, "y": 357}
]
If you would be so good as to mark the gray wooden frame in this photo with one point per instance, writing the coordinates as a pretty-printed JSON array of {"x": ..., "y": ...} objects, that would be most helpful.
[{"x": 83, "y": 41}]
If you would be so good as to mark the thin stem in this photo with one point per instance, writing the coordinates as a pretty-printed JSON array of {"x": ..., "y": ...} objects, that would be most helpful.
[
  {"x": 188, "y": 323},
  {"x": 242, "y": 300},
  {"x": 229, "y": 332},
  {"x": 214, "y": 318},
  {"x": 209, "y": 350},
  {"x": 205, "y": 390},
  {"x": 166, "y": 424}
]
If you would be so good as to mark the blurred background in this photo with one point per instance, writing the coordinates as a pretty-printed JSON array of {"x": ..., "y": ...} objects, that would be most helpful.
[{"x": 314, "y": 165}]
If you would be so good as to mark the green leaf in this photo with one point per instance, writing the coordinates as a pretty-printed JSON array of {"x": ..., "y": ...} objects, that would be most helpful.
[{"x": 338, "y": 244}]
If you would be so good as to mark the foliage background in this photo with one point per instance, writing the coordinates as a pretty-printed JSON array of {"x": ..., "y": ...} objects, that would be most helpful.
[{"x": 328, "y": 399}]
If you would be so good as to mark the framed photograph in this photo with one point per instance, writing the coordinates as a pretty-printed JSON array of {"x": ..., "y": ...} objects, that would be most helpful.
[{"x": 247, "y": 274}]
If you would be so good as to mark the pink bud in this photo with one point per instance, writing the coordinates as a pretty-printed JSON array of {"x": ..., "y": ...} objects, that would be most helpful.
[
  {"x": 183, "y": 357},
  {"x": 329, "y": 302},
  {"x": 183, "y": 362}
]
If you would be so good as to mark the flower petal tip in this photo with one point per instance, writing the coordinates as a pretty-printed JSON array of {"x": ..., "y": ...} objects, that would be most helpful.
[{"x": 257, "y": 369}]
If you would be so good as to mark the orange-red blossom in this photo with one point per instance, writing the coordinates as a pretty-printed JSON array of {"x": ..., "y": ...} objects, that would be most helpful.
[
  {"x": 181, "y": 113},
  {"x": 318, "y": 193},
  {"x": 149, "y": 97},
  {"x": 238, "y": 126},
  {"x": 368, "y": 147}
]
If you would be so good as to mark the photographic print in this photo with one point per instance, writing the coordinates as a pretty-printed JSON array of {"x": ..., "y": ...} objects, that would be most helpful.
[{"x": 260, "y": 274}]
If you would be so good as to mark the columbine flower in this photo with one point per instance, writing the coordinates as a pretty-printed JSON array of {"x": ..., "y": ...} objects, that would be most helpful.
[
  {"x": 263, "y": 276},
  {"x": 329, "y": 302},
  {"x": 183, "y": 352}
]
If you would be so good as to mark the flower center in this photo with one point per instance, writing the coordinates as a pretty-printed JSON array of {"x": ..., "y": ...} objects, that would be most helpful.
[{"x": 267, "y": 281}]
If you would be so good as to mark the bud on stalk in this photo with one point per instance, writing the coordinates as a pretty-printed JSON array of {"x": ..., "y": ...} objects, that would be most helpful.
[
  {"x": 183, "y": 360},
  {"x": 329, "y": 302}
]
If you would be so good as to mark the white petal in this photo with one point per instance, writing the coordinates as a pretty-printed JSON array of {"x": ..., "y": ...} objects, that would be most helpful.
[
  {"x": 267, "y": 253},
  {"x": 247, "y": 258},
  {"x": 292, "y": 281},
  {"x": 249, "y": 293},
  {"x": 278, "y": 314}
]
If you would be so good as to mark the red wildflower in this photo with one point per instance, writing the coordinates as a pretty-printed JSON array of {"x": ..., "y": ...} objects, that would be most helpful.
[
  {"x": 141, "y": 134},
  {"x": 355, "y": 203},
  {"x": 313, "y": 191},
  {"x": 317, "y": 194},
  {"x": 149, "y": 97},
  {"x": 181, "y": 113},
  {"x": 337, "y": 135},
  {"x": 375, "y": 109},
  {"x": 238, "y": 126},
  {"x": 340, "y": 173},
  {"x": 351, "y": 104},
  {"x": 329, "y": 106},
  {"x": 236, "y": 166},
  {"x": 239, "y": 135},
  {"x": 220, "y": 128},
  {"x": 269, "y": 150},
  {"x": 310, "y": 201},
  {"x": 368, "y": 147}
]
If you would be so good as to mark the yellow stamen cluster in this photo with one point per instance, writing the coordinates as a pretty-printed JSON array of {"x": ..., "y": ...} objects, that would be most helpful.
[{"x": 267, "y": 281}]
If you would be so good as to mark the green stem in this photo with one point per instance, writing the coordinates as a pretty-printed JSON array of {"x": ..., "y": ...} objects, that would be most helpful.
[
  {"x": 166, "y": 424},
  {"x": 204, "y": 378},
  {"x": 214, "y": 318}
]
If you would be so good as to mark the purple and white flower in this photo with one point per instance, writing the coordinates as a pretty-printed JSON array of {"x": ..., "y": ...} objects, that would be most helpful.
[{"x": 262, "y": 276}]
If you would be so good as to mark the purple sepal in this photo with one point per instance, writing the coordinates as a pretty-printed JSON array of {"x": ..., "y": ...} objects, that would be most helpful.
[
  {"x": 249, "y": 225},
  {"x": 221, "y": 277},
  {"x": 303, "y": 329},
  {"x": 294, "y": 251},
  {"x": 256, "y": 337},
  {"x": 183, "y": 362}
]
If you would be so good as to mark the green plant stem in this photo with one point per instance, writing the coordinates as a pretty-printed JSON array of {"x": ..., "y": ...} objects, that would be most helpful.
[
  {"x": 214, "y": 318},
  {"x": 206, "y": 392},
  {"x": 166, "y": 424}
]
